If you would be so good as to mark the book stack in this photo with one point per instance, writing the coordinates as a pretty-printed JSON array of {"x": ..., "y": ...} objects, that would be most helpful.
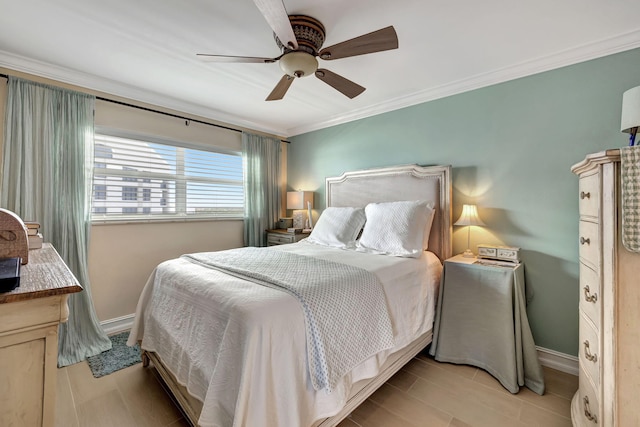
[{"x": 34, "y": 235}]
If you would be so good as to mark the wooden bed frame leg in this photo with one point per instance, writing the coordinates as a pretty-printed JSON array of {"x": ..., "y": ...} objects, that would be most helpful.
[{"x": 145, "y": 358}]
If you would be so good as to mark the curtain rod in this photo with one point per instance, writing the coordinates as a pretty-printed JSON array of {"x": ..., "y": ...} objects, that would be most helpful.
[{"x": 187, "y": 119}]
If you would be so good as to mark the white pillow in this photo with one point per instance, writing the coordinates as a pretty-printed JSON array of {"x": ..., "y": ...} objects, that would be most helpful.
[
  {"x": 427, "y": 226},
  {"x": 397, "y": 228},
  {"x": 338, "y": 227}
]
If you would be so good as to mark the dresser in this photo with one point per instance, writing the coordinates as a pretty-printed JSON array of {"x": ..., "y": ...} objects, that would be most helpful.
[
  {"x": 609, "y": 307},
  {"x": 29, "y": 319},
  {"x": 282, "y": 237}
]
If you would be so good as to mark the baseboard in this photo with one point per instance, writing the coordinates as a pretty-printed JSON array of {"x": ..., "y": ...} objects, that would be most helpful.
[
  {"x": 547, "y": 357},
  {"x": 119, "y": 324},
  {"x": 558, "y": 361}
]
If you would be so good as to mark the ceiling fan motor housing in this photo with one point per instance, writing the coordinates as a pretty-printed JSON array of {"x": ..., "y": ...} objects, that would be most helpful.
[{"x": 309, "y": 33}]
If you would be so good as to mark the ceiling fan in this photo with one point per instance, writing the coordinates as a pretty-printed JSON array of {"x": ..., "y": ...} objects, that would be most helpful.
[{"x": 300, "y": 39}]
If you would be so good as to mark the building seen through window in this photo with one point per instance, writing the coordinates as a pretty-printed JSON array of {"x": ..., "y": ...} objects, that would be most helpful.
[{"x": 136, "y": 178}]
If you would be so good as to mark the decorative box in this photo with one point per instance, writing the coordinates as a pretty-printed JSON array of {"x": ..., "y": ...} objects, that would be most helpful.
[{"x": 501, "y": 253}]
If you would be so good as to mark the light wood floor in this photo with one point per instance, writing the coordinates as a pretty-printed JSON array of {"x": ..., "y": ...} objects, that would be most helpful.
[{"x": 424, "y": 393}]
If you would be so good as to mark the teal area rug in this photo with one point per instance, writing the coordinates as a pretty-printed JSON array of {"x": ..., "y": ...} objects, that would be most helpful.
[{"x": 119, "y": 357}]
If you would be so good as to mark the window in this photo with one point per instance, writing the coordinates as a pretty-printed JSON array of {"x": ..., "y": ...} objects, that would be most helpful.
[
  {"x": 129, "y": 193},
  {"x": 147, "y": 178},
  {"x": 99, "y": 192},
  {"x": 101, "y": 151}
]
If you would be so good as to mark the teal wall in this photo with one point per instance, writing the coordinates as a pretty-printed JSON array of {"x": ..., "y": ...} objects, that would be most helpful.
[{"x": 511, "y": 146}]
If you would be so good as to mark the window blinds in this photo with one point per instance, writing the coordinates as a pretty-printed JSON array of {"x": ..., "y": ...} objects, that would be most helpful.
[{"x": 140, "y": 179}]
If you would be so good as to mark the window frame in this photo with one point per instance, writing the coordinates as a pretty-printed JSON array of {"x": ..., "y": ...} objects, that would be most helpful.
[{"x": 180, "y": 179}]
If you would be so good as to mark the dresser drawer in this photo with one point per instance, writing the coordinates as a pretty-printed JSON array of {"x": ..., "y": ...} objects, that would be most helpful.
[
  {"x": 589, "y": 351},
  {"x": 590, "y": 294},
  {"x": 589, "y": 195},
  {"x": 588, "y": 402},
  {"x": 279, "y": 239},
  {"x": 589, "y": 241}
]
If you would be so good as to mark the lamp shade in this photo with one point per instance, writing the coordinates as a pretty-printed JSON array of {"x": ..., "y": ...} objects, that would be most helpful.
[
  {"x": 469, "y": 216},
  {"x": 299, "y": 199},
  {"x": 630, "y": 110}
]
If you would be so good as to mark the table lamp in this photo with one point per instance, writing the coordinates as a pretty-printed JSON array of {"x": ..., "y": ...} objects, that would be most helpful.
[
  {"x": 297, "y": 201},
  {"x": 469, "y": 217},
  {"x": 631, "y": 113}
]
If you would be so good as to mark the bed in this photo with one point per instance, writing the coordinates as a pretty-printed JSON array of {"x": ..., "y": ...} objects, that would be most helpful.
[{"x": 233, "y": 352}]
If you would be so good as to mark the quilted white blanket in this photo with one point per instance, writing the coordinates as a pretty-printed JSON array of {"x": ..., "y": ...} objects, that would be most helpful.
[{"x": 344, "y": 306}]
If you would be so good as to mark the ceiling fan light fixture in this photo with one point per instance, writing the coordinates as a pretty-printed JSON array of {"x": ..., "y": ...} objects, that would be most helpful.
[{"x": 298, "y": 64}]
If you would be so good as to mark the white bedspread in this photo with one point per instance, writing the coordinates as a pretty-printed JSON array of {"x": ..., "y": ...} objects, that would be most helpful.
[
  {"x": 240, "y": 347},
  {"x": 345, "y": 325}
]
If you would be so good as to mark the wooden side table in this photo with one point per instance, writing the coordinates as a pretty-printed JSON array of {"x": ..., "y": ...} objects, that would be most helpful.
[
  {"x": 30, "y": 315},
  {"x": 282, "y": 236},
  {"x": 482, "y": 321}
]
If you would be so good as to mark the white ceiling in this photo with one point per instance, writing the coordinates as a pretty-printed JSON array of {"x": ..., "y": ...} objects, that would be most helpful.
[{"x": 145, "y": 50}]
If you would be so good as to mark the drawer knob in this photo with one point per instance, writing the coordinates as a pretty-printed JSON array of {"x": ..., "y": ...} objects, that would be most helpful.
[
  {"x": 590, "y": 357},
  {"x": 587, "y": 410},
  {"x": 585, "y": 241},
  {"x": 588, "y": 297},
  {"x": 584, "y": 195}
]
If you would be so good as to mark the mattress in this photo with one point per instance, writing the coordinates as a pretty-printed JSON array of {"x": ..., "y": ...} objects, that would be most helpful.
[{"x": 239, "y": 347}]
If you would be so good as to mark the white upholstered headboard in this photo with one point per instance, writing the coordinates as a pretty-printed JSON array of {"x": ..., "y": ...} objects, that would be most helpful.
[{"x": 392, "y": 184}]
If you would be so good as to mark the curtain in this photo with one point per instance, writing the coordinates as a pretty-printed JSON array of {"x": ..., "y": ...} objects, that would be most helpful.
[
  {"x": 261, "y": 163},
  {"x": 46, "y": 177}
]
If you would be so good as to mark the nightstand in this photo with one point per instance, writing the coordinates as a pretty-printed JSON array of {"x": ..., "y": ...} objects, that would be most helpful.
[
  {"x": 282, "y": 237},
  {"x": 481, "y": 320}
]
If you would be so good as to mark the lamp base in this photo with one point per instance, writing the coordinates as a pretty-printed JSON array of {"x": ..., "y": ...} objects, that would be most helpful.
[
  {"x": 468, "y": 254},
  {"x": 298, "y": 218}
]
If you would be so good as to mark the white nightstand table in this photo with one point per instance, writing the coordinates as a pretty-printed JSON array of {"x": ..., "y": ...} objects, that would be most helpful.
[
  {"x": 481, "y": 320},
  {"x": 282, "y": 237}
]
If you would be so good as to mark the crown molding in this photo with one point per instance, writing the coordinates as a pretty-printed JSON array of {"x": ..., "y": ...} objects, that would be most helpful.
[
  {"x": 111, "y": 87},
  {"x": 586, "y": 52}
]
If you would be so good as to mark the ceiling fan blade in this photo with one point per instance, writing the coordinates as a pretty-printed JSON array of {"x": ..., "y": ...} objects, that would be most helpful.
[
  {"x": 281, "y": 88},
  {"x": 278, "y": 19},
  {"x": 377, "y": 41},
  {"x": 339, "y": 83},
  {"x": 227, "y": 58}
]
